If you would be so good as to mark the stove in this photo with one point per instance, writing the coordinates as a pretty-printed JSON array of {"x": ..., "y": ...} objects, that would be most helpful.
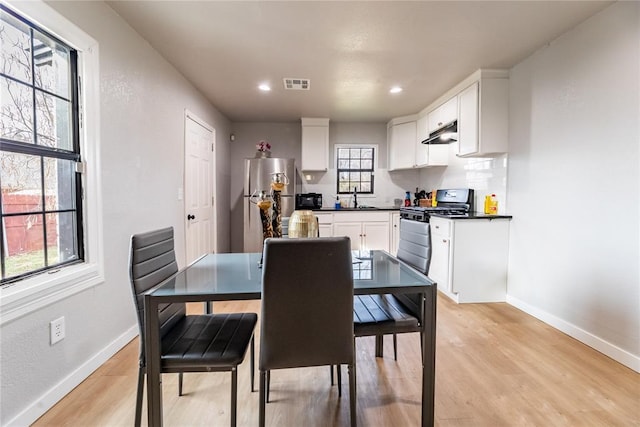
[{"x": 456, "y": 202}]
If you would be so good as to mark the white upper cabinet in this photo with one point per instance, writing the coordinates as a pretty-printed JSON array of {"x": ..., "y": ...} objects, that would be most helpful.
[
  {"x": 422, "y": 150},
  {"x": 315, "y": 144},
  {"x": 429, "y": 155},
  {"x": 401, "y": 138},
  {"x": 483, "y": 118},
  {"x": 446, "y": 113}
]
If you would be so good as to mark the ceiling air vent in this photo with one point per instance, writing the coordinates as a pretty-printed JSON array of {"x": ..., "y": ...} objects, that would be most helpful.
[{"x": 297, "y": 84}]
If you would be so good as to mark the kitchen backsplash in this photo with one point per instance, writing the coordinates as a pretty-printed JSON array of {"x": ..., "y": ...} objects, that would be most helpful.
[
  {"x": 486, "y": 175},
  {"x": 387, "y": 186}
]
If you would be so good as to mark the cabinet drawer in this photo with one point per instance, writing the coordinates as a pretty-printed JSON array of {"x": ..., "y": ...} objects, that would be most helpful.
[
  {"x": 360, "y": 216},
  {"x": 324, "y": 218},
  {"x": 441, "y": 227}
]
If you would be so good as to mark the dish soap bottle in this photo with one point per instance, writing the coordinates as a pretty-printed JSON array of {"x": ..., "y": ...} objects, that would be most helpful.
[
  {"x": 434, "y": 200},
  {"x": 338, "y": 205},
  {"x": 407, "y": 198}
]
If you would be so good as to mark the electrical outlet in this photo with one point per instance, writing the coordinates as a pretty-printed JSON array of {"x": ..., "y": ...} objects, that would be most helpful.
[{"x": 57, "y": 330}]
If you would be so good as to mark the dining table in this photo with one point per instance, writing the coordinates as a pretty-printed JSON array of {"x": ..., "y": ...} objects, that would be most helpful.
[{"x": 238, "y": 276}]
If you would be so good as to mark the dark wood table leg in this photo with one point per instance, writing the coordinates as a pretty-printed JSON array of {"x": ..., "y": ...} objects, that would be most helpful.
[
  {"x": 152, "y": 356},
  {"x": 429, "y": 356}
]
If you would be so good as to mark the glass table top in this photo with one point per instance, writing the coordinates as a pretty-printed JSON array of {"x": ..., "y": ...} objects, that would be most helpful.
[{"x": 239, "y": 276}]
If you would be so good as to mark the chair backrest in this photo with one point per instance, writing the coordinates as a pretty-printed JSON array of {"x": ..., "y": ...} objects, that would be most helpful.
[
  {"x": 152, "y": 260},
  {"x": 414, "y": 249},
  {"x": 414, "y": 246},
  {"x": 307, "y": 303}
]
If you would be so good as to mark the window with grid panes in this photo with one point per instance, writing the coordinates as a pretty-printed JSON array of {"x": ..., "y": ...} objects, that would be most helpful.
[
  {"x": 40, "y": 204},
  {"x": 355, "y": 169}
]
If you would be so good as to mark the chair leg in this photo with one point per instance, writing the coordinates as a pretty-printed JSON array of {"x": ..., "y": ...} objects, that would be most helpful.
[
  {"x": 263, "y": 397},
  {"x": 180, "y": 384},
  {"x": 339, "y": 371},
  {"x": 331, "y": 368},
  {"x": 352, "y": 393},
  {"x": 253, "y": 357},
  {"x": 379, "y": 346},
  {"x": 234, "y": 395},
  {"x": 395, "y": 347},
  {"x": 138, "y": 419},
  {"x": 268, "y": 385}
]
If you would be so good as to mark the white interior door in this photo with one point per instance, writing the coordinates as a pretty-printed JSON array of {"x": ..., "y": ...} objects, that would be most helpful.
[{"x": 199, "y": 177}]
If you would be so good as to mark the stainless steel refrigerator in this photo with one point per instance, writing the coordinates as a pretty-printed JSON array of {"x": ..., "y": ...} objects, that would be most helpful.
[{"x": 257, "y": 177}]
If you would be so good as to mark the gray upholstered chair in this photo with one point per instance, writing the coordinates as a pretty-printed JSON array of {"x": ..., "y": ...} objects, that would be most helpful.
[
  {"x": 307, "y": 309},
  {"x": 396, "y": 313},
  {"x": 194, "y": 343}
]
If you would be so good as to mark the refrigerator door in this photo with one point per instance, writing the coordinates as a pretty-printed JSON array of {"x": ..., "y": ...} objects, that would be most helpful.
[{"x": 258, "y": 172}]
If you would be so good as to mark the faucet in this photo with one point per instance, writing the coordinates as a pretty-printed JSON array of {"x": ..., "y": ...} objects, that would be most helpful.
[{"x": 355, "y": 197}]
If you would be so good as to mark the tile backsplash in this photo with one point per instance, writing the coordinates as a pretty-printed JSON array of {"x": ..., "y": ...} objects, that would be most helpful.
[
  {"x": 485, "y": 175},
  {"x": 388, "y": 187}
]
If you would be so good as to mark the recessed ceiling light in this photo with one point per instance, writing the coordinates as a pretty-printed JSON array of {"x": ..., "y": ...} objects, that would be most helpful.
[
  {"x": 395, "y": 89},
  {"x": 264, "y": 87}
]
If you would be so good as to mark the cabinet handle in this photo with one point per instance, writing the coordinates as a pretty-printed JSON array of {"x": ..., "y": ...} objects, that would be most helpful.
[
  {"x": 439, "y": 123},
  {"x": 437, "y": 226},
  {"x": 444, "y": 240}
]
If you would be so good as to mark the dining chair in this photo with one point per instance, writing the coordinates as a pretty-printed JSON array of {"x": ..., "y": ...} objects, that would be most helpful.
[
  {"x": 307, "y": 309},
  {"x": 380, "y": 315},
  {"x": 189, "y": 343}
]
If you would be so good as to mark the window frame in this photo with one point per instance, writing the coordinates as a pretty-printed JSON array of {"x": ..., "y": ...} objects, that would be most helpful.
[
  {"x": 31, "y": 293},
  {"x": 42, "y": 151},
  {"x": 374, "y": 168}
]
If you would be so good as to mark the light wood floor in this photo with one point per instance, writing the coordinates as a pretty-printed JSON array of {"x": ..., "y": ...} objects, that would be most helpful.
[{"x": 496, "y": 366}]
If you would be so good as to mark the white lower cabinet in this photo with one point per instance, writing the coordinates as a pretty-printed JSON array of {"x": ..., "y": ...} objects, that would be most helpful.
[
  {"x": 325, "y": 224},
  {"x": 395, "y": 233},
  {"x": 367, "y": 230},
  {"x": 469, "y": 258}
]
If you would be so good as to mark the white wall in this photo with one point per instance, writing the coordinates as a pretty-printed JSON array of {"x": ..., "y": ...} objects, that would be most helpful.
[
  {"x": 143, "y": 100},
  {"x": 573, "y": 183}
]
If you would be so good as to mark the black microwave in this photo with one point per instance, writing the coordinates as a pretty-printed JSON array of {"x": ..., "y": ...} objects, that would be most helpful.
[{"x": 309, "y": 201}]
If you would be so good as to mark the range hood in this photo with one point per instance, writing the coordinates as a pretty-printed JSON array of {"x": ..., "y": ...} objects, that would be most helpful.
[{"x": 445, "y": 135}]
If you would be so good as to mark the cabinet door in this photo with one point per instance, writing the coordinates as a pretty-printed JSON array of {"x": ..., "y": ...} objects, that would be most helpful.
[
  {"x": 395, "y": 234},
  {"x": 446, "y": 113},
  {"x": 325, "y": 224},
  {"x": 402, "y": 145},
  {"x": 315, "y": 148},
  {"x": 468, "y": 142},
  {"x": 440, "y": 261},
  {"x": 375, "y": 235},
  {"x": 326, "y": 230},
  {"x": 421, "y": 150},
  {"x": 353, "y": 230}
]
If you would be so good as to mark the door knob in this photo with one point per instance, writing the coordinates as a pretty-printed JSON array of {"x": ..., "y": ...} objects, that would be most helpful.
[{"x": 191, "y": 216}]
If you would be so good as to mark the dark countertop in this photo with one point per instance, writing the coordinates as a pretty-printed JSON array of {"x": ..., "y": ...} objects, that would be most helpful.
[
  {"x": 476, "y": 215},
  {"x": 375, "y": 209}
]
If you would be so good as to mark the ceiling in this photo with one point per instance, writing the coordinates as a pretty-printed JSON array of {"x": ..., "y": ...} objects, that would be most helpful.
[{"x": 353, "y": 52}]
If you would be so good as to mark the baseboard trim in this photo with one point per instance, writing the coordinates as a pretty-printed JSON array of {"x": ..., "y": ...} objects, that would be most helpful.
[
  {"x": 52, "y": 396},
  {"x": 616, "y": 353}
]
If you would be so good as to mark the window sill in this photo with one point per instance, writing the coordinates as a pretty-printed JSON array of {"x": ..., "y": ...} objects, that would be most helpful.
[{"x": 23, "y": 297}]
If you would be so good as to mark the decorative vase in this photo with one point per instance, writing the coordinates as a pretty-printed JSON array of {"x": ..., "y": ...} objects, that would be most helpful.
[
  {"x": 303, "y": 224},
  {"x": 263, "y": 154}
]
